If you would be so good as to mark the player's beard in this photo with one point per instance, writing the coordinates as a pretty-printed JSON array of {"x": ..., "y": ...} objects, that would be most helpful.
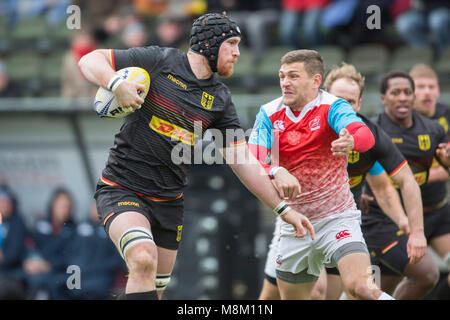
[{"x": 225, "y": 71}]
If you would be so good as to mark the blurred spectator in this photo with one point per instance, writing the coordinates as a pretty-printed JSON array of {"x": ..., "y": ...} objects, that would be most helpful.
[
  {"x": 174, "y": 8},
  {"x": 134, "y": 33},
  {"x": 194, "y": 8},
  {"x": 150, "y": 7},
  {"x": 186, "y": 9},
  {"x": 98, "y": 259},
  {"x": 256, "y": 20},
  {"x": 56, "y": 11},
  {"x": 425, "y": 23},
  {"x": 169, "y": 33},
  {"x": 73, "y": 84},
  {"x": 15, "y": 10},
  {"x": 351, "y": 28},
  {"x": 51, "y": 250},
  {"x": 301, "y": 16},
  {"x": 103, "y": 16},
  {"x": 332, "y": 16},
  {"x": 7, "y": 88},
  {"x": 95, "y": 13},
  {"x": 12, "y": 247}
]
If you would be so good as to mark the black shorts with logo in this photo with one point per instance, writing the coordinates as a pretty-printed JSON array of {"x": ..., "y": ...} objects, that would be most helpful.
[
  {"x": 387, "y": 244},
  {"x": 387, "y": 247},
  {"x": 165, "y": 217}
]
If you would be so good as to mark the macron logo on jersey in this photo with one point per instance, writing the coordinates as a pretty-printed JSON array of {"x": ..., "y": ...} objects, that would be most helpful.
[{"x": 314, "y": 124}]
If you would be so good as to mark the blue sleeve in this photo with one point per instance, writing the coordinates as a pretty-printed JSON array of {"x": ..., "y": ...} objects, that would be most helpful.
[
  {"x": 376, "y": 169},
  {"x": 341, "y": 114},
  {"x": 262, "y": 133}
]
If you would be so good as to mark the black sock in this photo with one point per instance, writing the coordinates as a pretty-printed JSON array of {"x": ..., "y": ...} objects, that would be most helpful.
[
  {"x": 149, "y": 295},
  {"x": 443, "y": 290}
]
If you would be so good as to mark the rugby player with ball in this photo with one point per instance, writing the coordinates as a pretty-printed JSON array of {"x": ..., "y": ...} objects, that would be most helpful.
[{"x": 140, "y": 193}]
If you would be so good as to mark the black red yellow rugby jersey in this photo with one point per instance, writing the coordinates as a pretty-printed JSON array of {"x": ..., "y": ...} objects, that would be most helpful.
[
  {"x": 439, "y": 189},
  {"x": 418, "y": 145},
  {"x": 141, "y": 157},
  {"x": 384, "y": 151}
]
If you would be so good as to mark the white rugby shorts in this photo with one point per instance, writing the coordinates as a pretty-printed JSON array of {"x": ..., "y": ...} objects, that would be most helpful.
[{"x": 295, "y": 255}]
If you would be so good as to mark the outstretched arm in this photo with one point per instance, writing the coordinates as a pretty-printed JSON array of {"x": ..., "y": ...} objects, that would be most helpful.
[
  {"x": 286, "y": 184},
  {"x": 260, "y": 144},
  {"x": 388, "y": 199},
  {"x": 356, "y": 136},
  {"x": 254, "y": 177},
  {"x": 412, "y": 201}
]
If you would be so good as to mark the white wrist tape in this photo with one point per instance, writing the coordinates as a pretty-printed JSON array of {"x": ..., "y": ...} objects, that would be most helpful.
[
  {"x": 281, "y": 209},
  {"x": 114, "y": 83},
  {"x": 273, "y": 171}
]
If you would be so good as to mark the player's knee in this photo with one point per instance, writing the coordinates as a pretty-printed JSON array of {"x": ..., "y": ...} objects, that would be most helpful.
[
  {"x": 359, "y": 287},
  {"x": 319, "y": 291},
  {"x": 141, "y": 259},
  {"x": 430, "y": 279},
  {"x": 137, "y": 247}
]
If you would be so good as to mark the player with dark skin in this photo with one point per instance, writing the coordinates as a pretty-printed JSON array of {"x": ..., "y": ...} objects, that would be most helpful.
[{"x": 420, "y": 140}]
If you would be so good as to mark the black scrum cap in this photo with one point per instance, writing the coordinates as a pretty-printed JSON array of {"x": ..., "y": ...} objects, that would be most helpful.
[{"x": 207, "y": 34}]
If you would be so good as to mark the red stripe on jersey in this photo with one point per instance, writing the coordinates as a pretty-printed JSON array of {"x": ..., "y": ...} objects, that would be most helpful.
[
  {"x": 237, "y": 143},
  {"x": 173, "y": 104},
  {"x": 169, "y": 104},
  {"x": 107, "y": 217},
  {"x": 111, "y": 59},
  {"x": 393, "y": 173},
  {"x": 108, "y": 182},
  {"x": 163, "y": 104}
]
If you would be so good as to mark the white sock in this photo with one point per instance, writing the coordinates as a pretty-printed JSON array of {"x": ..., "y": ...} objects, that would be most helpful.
[{"x": 385, "y": 296}]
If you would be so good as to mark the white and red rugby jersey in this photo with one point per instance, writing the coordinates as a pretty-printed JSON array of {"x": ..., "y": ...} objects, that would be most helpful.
[{"x": 302, "y": 144}]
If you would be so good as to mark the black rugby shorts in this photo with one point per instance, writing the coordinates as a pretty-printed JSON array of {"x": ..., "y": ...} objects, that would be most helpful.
[
  {"x": 437, "y": 223},
  {"x": 387, "y": 246},
  {"x": 165, "y": 217}
]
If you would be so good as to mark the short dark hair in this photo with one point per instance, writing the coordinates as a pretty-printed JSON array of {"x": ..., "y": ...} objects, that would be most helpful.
[
  {"x": 311, "y": 59},
  {"x": 395, "y": 74}
]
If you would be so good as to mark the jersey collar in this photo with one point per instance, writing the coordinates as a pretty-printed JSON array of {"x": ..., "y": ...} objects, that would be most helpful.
[{"x": 309, "y": 106}]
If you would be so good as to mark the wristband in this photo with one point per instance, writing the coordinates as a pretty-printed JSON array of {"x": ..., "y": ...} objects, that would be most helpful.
[
  {"x": 273, "y": 171},
  {"x": 281, "y": 209},
  {"x": 114, "y": 83}
]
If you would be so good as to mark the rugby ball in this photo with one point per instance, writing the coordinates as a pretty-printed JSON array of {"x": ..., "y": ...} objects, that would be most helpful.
[{"x": 106, "y": 104}]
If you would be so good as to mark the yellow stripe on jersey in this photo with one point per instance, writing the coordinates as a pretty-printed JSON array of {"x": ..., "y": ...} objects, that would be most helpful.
[
  {"x": 172, "y": 131},
  {"x": 238, "y": 143}
]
